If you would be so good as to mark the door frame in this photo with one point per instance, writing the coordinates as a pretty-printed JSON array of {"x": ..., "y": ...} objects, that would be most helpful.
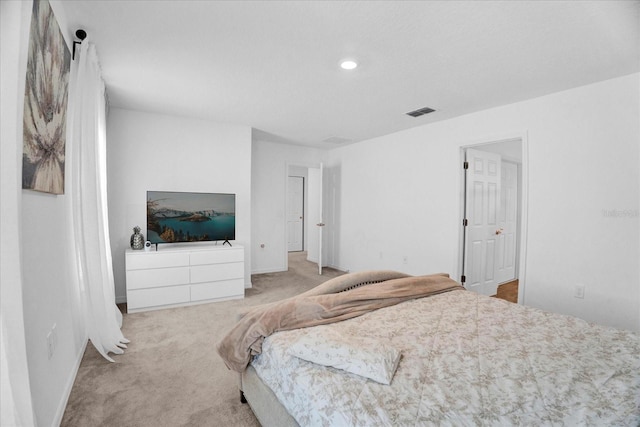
[
  {"x": 287, "y": 165},
  {"x": 524, "y": 187},
  {"x": 304, "y": 211}
]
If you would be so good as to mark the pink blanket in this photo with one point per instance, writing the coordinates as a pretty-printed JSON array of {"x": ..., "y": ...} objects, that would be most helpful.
[{"x": 338, "y": 299}]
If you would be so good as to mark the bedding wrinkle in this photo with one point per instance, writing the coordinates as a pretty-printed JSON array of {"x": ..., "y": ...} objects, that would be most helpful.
[
  {"x": 323, "y": 305},
  {"x": 479, "y": 354},
  {"x": 531, "y": 375},
  {"x": 426, "y": 367}
]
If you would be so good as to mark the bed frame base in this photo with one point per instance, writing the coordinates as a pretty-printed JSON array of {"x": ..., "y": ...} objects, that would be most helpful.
[{"x": 263, "y": 402}]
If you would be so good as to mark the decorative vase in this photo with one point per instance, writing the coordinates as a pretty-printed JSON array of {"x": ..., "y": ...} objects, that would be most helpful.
[{"x": 137, "y": 239}]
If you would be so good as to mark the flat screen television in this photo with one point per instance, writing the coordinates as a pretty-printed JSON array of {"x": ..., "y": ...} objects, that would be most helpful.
[{"x": 174, "y": 217}]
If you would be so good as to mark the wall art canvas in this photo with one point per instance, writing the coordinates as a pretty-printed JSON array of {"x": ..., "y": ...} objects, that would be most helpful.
[{"x": 45, "y": 103}]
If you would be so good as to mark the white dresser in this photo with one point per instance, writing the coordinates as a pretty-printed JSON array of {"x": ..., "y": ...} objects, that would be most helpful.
[{"x": 183, "y": 276}]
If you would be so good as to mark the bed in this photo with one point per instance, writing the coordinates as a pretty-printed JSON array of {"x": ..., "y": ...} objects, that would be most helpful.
[{"x": 460, "y": 359}]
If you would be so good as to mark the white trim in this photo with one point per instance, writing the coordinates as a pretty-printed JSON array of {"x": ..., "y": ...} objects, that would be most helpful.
[
  {"x": 335, "y": 267},
  {"x": 57, "y": 419},
  {"x": 269, "y": 270},
  {"x": 524, "y": 207},
  {"x": 524, "y": 219},
  {"x": 461, "y": 239}
]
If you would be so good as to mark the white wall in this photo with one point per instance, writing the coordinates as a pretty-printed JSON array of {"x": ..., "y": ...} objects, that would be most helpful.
[
  {"x": 399, "y": 195},
  {"x": 41, "y": 285},
  {"x": 269, "y": 178},
  {"x": 147, "y": 151}
]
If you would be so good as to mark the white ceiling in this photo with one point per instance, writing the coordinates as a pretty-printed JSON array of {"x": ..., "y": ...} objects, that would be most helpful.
[{"x": 273, "y": 65}]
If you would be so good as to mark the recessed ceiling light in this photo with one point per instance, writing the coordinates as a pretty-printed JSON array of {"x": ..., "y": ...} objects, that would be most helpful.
[{"x": 348, "y": 64}]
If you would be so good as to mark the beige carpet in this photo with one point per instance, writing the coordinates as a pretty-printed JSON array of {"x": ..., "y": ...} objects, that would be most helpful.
[{"x": 171, "y": 374}]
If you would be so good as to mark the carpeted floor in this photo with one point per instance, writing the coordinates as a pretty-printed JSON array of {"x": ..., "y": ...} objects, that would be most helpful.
[{"x": 171, "y": 374}]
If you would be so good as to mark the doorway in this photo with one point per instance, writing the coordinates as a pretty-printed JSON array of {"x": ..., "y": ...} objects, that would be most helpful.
[
  {"x": 309, "y": 222},
  {"x": 493, "y": 214}
]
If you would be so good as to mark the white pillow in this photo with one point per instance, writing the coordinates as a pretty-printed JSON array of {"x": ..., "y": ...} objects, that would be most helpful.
[{"x": 362, "y": 356}]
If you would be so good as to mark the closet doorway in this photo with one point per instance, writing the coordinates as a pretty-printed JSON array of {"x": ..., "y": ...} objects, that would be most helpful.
[{"x": 492, "y": 244}]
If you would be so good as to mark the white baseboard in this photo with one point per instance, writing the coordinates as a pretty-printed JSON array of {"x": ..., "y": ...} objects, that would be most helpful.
[
  {"x": 269, "y": 270},
  {"x": 335, "y": 267},
  {"x": 69, "y": 386}
]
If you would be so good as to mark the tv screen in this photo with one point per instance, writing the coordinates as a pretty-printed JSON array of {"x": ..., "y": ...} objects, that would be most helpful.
[{"x": 174, "y": 217}]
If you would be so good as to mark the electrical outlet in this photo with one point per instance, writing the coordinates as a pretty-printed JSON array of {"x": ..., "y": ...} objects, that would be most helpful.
[{"x": 578, "y": 291}]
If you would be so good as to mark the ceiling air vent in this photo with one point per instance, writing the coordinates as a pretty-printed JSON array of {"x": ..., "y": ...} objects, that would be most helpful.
[
  {"x": 420, "y": 112},
  {"x": 336, "y": 140}
]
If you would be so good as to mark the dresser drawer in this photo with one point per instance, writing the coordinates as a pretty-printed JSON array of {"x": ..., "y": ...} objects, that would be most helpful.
[
  {"x": 217, "y": 256},
  {"x": 142, "y": 298},
  {"x": 216, "y": 272},
  {"x": 143, "y": 260},
  {"x": 221, "y": 289},
  {"x": 140, "y": 279}
]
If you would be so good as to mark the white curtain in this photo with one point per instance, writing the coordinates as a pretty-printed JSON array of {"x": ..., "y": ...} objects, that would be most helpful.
[
  {"x": 16, "y": 406},
  {"x": 88, "y": 185}
]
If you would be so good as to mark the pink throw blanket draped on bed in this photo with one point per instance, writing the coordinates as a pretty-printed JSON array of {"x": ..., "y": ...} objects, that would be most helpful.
[{"x": 325, "y": 304}]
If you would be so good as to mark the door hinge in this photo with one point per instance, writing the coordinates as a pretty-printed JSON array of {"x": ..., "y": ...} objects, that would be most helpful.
[
  {"x": 463, "y": 278},
  {"x": 465, "y": 222},
  {"x": 465, "y": 165}
]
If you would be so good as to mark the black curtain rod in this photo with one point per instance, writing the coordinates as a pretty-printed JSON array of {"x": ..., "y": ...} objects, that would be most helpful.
[{"x": 81, "y": 34}]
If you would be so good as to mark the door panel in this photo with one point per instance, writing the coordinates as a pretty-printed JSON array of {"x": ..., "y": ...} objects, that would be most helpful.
[
  {"x": 483, "y": 183},
  {"x": 478, "y": 201},
  {"x": 474, "y": 259},
  {"x": 295, "y": 208},
  {"x": 315, "y": 221},
  {"x": 312, "y": 217},
  {"x": 490, "y": 259},
  {"x": 321, "y": 223},
  {"x": 492, "y": 207}
]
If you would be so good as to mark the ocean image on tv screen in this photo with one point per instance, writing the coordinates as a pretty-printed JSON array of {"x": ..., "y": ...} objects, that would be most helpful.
[{"x": 190, "y": 217}]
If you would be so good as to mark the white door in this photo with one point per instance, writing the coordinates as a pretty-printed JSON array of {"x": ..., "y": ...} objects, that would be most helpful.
[
  {"x": 295, "y": 207},
  {"x": 320, "y": 223},
  {"x": 313, "y": 209},
  {"x": 482, "y": 204},
  {"x": 508, "y": 223}
]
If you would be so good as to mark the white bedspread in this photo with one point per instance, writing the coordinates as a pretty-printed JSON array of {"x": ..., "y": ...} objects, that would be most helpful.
[{"x": 467, "y": 360}]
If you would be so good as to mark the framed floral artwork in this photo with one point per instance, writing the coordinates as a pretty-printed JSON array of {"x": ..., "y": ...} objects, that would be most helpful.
[{"x": 45, "y": 103}]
